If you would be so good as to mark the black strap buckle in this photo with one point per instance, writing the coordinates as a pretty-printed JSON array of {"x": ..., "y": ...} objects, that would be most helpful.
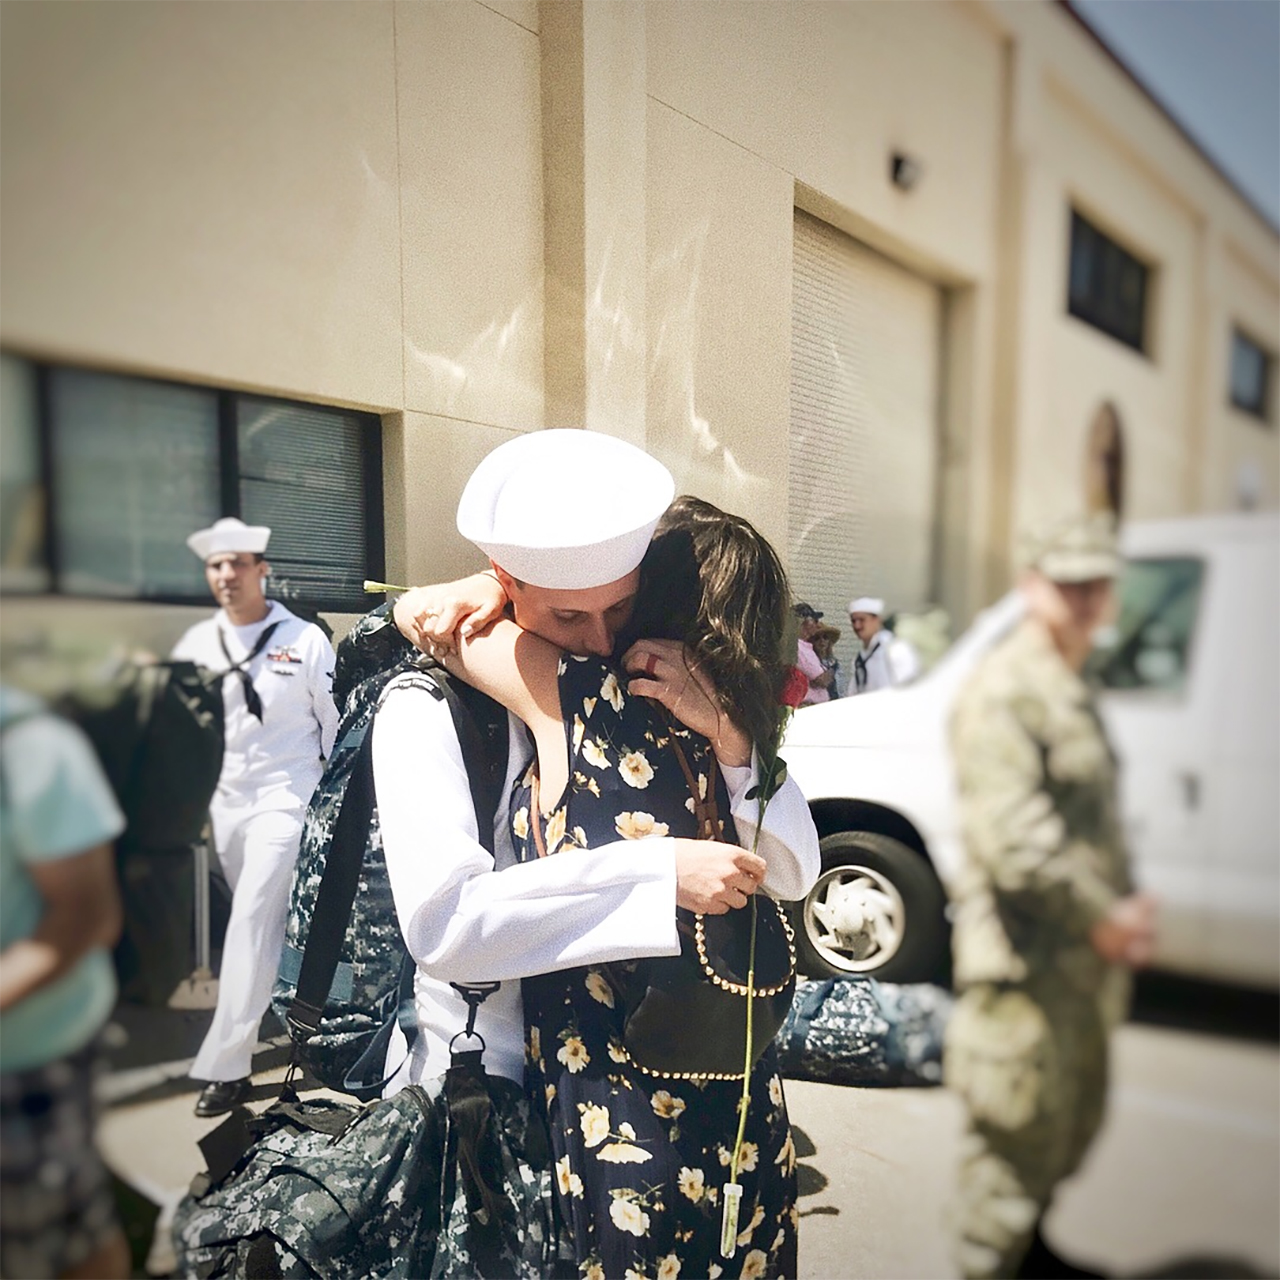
[{"x": 475, "y": 995}]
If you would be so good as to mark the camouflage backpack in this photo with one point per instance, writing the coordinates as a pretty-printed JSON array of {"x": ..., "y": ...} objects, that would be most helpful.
[{"x": 345, "y": 977}]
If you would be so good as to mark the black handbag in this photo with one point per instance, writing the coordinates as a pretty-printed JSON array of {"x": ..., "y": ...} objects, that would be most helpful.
[{"x": 685, "y": 1016}]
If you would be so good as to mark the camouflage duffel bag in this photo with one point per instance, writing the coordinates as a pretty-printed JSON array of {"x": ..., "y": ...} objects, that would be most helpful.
[
  {"x": 334, "y": 1190},
  {"x": 862, "y": 1032}
]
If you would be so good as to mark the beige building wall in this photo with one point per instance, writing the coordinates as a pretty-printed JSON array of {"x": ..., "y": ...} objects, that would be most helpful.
[
  {"x": 1083, "y": 133},
  {"x": 802, "y": 105},
  {"x": 1241, "y": 454},
  {"x": 206, "y": 191},
  {"x": 1072, "y": 368},
  {"x": 481, "y": 218}
]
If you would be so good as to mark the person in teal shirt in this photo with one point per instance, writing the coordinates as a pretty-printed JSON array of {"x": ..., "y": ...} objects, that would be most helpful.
[{"x": 59, "y": 914}]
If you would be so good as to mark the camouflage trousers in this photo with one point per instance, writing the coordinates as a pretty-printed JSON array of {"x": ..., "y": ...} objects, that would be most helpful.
[{"x": 1030, "y": 1065}]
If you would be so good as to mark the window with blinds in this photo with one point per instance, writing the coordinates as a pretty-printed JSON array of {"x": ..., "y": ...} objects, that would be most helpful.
[
  {"x": 120, "y": 470},
  {"x": 23, "y": 557},
  {"x": 314, "y": 475},
  {"x": 134, "y": 469}
]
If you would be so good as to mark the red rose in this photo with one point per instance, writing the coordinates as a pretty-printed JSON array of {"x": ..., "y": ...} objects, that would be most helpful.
[{"x": 795, "y": 688}]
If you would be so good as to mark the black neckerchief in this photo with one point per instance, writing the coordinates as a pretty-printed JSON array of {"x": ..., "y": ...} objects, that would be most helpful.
[
  {"x": 860, "y": 664},
  {"x": 251, "y": 699}
]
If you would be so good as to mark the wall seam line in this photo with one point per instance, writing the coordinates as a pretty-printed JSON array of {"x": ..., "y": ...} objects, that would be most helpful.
[
  {"x": 702, "y": 124},
  {"x": 395, "y": 84},
  {"x": 506, "y": 17}
]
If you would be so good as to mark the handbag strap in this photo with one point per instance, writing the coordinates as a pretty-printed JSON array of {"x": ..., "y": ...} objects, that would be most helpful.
[
  {"x": 535, "y": 812},
  {"x": 704, "y": 807}
]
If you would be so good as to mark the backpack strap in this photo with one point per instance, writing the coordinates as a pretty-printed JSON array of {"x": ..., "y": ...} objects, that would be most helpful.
[
  {"x": 485, "y": 772},
  {"x": 336, "y": 896},
  {"x": 337, "y": 893}
]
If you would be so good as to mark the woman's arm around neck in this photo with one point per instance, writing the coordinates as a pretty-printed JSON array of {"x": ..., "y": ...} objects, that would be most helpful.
[{"x": 521, "y": 671}]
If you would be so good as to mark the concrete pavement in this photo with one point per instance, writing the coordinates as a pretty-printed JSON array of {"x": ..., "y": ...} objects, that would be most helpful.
[
  {"x": 1183, "y": 1181},
  {"x": 1186, "y": 1173}
]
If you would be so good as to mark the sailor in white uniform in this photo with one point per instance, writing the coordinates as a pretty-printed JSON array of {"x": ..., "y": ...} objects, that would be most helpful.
[
  {"x": 471, "y": 918},
  {"x": 279, "y": 722},
  {"x": 885, "y": 660}
]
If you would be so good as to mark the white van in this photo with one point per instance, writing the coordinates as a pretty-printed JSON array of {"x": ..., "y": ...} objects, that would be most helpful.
[{"x": 1191, "y": 697}]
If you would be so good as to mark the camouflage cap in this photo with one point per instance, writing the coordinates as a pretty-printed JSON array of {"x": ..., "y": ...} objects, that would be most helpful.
[{"x": 1077, "y": 549}]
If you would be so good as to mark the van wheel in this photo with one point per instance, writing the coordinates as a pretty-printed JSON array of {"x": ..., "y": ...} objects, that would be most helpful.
[{"x": 877, "y": 911}]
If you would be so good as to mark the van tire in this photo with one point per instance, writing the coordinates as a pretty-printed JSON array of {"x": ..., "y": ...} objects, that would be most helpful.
[{"x": 909, "y": 940}]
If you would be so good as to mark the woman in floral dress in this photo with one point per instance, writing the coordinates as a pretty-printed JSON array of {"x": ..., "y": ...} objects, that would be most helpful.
[{"x": 641, "y": 1160}]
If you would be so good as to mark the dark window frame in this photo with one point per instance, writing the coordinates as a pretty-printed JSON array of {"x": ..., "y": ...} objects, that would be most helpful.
[
  {"x": 228, "y": 483},
  {"x": 1261, "y": 409},
  {"x": 1099, "y": 303}
]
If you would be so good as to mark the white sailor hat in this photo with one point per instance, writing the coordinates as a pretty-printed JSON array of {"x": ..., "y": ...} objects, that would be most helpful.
[
  {"x": 565, "y": 509},
  {"x": 867, "y": 604},
  {"x": 229, "y": 534}
]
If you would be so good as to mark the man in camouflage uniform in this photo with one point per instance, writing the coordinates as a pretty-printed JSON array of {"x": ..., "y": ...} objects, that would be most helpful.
[{"x": 1046, "y": 920}]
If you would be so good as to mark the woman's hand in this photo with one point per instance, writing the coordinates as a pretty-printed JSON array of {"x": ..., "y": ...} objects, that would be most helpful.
[
  {"x": 661, "y": 670},
  {"x": 428, "y": 617},
  {"x": 713, "y": 877}
]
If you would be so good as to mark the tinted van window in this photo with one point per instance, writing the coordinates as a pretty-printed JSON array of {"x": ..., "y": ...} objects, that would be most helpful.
[{"x": 1151, "y": 642}]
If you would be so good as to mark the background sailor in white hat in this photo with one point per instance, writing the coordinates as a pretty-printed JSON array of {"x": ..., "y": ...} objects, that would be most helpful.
[
  {"x": 885, "y": 660},
  {"x": 280, "y": 720},
  {"x": 565, "y": 517}
]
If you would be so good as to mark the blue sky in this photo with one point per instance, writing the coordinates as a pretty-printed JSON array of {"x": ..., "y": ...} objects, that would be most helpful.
[{"x": 1215, "y": 65}]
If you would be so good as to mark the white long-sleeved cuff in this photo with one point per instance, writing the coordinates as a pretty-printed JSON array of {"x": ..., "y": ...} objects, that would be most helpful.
[{"x": 787, "y": 841}]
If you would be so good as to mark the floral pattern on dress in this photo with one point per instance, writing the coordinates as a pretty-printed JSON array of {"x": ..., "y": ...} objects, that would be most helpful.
[{"x": 640, "y": 1161}]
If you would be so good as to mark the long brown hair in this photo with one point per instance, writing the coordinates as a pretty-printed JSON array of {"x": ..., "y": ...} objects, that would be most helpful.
[{"x": 712, "y": 581}]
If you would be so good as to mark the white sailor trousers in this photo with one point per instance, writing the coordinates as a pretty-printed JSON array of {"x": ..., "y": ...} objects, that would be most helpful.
[{"x": 257, "y": 849}]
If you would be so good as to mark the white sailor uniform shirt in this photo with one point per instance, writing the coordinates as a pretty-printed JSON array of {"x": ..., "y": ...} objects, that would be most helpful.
[
  {"x": 887, "y": 662},
  {"x": 275, "y": 762},
  {"x": 471, "y": 918}
]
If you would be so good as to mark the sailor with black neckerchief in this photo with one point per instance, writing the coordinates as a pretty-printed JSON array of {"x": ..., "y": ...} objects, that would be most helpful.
[
  {"x": 280, "y": 721},
  {"x": 885, "y": 660}
]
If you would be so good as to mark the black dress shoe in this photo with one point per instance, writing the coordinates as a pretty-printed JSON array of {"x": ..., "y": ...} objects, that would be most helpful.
[{"x": 219, "y": 1096}]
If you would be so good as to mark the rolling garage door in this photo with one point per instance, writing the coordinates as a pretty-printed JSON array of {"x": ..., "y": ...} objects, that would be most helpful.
[{"x": 865, "y": 365}]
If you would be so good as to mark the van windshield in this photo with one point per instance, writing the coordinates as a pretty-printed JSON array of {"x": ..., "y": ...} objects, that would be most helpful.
[{"x": 1150, "y": 644}]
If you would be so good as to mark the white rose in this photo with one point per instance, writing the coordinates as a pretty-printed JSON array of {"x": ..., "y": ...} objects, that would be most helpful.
[
  {"x": 600, "y": 990},
  {"x": 611, "y": 692},
  {"x": 638, "y": 826},
  {"x": 629, "y": 1216},
  {"x": 665, "y": 1105},
  {"x": 594, "y": 1123},
  {"x": 635, "y": 769},
  {"x": 573, "y": 1054},
  {"x": 690, "y": 1182}
]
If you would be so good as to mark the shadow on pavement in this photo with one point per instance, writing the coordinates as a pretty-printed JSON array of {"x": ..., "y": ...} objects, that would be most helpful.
[
  {"x": 1190, "y": 1004},
  {"x": 809, "y": 1181},
  {"x": 1204, "y": 1267}
]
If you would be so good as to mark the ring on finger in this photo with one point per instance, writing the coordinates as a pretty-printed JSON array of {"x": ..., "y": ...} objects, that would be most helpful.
[{"x": 651, "y": 665}]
